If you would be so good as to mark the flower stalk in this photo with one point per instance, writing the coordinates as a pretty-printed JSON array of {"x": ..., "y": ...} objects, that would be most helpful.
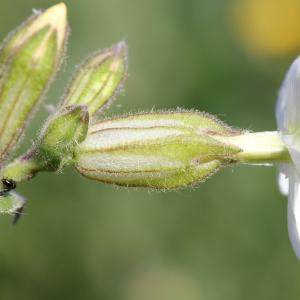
[{"x": 259, "y": 147}]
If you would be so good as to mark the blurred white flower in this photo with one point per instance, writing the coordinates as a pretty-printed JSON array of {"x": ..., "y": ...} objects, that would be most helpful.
[{"x": 288, "y": 120}]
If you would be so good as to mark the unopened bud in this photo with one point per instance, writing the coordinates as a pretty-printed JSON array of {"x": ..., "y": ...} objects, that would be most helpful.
[
  {"x": 160, "y": 151},
  {"x": 55, "y": 145},
  {"x": 60, "y": 135},
  {"x": 12, "y": 203},
  {"x": 29, "y": 58},
  {"x": 98, "y": 79}
]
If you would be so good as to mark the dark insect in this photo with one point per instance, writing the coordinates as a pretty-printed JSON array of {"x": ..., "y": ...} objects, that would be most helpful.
[
  {"x": 9, "y": 184},
  {"x": 17, "y": 215}
]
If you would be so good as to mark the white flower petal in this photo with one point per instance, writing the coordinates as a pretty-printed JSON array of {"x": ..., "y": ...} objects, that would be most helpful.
[
  {"x": 283, "y": 183},
  {"x": 293, "y": 145},
  {"x": 294, "y": 213},
  {"x": 288, "y": 103}
]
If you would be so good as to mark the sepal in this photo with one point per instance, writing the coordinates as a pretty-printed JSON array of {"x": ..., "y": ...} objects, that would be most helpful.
[{"x": 160, "y": 151}]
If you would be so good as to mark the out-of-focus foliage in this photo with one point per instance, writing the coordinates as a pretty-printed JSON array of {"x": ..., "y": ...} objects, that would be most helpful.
[
  {"x": 224, "y": 240},
  {"x": 266, "y": 26}
]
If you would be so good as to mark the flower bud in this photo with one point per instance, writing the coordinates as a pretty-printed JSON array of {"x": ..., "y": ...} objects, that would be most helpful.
[
  {"x": 28, "y": 60},
  {"x": 55, "y": 146},
  {"x": 60, "y": 135},
  {"x": 98, "y": 79},
  {"x": 12, "y": 203},
  {"x": 160, "y": 151}
]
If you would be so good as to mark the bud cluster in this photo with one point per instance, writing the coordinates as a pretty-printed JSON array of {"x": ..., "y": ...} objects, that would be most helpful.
[
  {"x": 29, "y": 58},
  {"x": 162, "y": 150}
]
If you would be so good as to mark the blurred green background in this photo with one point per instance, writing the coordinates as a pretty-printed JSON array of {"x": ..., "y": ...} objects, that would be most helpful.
[{"x": 226, "y": 239}]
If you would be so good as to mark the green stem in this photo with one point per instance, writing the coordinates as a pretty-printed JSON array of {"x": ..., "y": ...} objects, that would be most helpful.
[{"x": 259, "y": 148}]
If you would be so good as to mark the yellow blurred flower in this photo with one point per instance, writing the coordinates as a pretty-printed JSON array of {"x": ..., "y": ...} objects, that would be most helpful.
[{"x": 268, "y": 27}]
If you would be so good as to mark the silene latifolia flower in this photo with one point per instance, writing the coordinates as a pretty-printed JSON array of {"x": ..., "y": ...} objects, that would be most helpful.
[
  {"x": 159, "y": 150},
  {"x": 288, "y": 120}
]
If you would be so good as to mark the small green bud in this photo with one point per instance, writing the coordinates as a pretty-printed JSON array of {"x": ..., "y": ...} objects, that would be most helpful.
[
  {"x": 21, "y": 169},
  {"x": 160, "y": 151},
  {"x": 29, "y": 58},
  {"x": 98, "y": 79},
  {"x": 60, "y": 135},
  {"x": 55, "y": 145},
  {"x": 12, "y": 203}
]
